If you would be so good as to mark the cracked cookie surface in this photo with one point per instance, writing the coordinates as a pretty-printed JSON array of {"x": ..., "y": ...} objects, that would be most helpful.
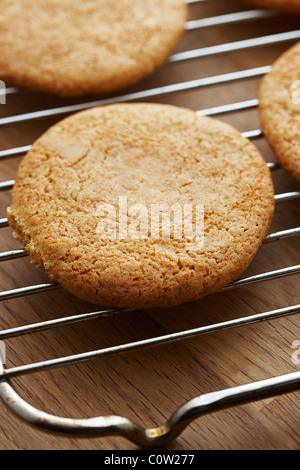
[
  {"x": 279, "y": 97},
  {"x": 150, "y": 154},
  {"x": 75, "y": 47}
]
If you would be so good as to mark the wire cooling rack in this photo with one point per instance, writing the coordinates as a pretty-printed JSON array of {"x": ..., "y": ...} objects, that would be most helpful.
[{"x": 119, "y": 426}]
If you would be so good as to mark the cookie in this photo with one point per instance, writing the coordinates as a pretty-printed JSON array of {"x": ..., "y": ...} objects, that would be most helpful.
[
  {"x": 75, "y": 47},
  {"x": 142, "y": 205},
  {"x": 279, "y": 97},
  {"x": 288, "y": 6}
]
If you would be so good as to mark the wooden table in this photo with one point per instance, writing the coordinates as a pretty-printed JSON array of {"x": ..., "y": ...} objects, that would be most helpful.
[{"x": 148, "y": 386}]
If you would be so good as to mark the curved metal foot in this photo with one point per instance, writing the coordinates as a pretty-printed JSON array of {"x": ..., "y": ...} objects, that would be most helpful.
[{"x": 149, "y": 438}]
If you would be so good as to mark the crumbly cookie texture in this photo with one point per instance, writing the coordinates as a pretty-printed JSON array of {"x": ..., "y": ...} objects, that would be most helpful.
[
  {"x": 75, "y": 47},
  {"x": 279, "y": 97},
  {"x": 289, "y": 6},
  {"x": 150, "y": 154}
]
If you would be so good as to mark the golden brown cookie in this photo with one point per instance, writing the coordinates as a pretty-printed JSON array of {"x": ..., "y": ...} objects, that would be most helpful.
[
  {"x": 288, "y": 6},
  {"x": 75, "y": 47},
  {"x": 114, "y": 166},
  {"x": 279, "y": 97}
]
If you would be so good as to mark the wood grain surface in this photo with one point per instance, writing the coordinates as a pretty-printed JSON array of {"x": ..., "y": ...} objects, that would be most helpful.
[{"x": 148, "y": 386}]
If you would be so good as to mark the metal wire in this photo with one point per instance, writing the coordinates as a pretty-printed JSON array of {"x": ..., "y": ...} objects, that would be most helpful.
[
  {"x": 145, "y": 94},
  {"x": 207, "y": 403}
]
